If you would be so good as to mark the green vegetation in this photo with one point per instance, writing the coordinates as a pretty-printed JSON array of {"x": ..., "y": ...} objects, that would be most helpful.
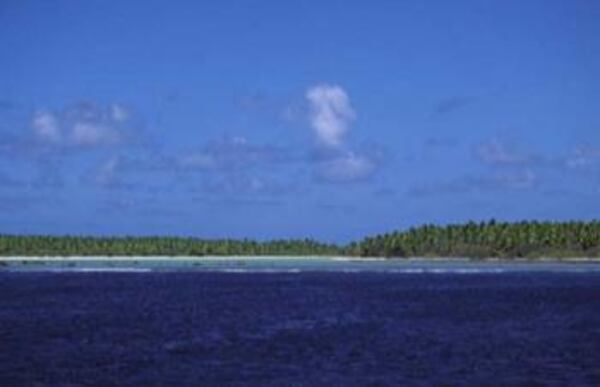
[
  {"x": 487, "y": 239},
  {"x": 475, "y": 240},
  {"x": 12, "y": 245}
]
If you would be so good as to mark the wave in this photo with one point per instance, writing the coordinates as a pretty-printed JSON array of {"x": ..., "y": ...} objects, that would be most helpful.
[
  {"x": 348, "y": 269},
  {"x": 90, "y": 270},
  {"x": 271, "y": 271},
  {"x": 357, "y": 270},
  {"x": 448, "y": 271}
]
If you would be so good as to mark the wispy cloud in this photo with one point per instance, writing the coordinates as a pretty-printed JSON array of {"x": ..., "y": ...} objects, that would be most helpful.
[
  {"x": 6, "y": 104},
  {"x": 8, "y": 181},
  {"x": 330, "y": 113},
  {"x": 507, "y": 168},
  {"x": 91, "y": 134},
  {"x": 441, "y": 142},
  {"x": 583, "y": 157},
  {"x": 522, "y": 179},
  {"x": 139, "y": 171},
  {"x": 496, "y": 152},
  {"x": 107, "y": 174},
  {"x": 233, "y": 153},
  {"x": 48, "y": 175},
  {"x": 232, "y": 166},
  {"x": 119, "y": 113},
  {"x": 451, "y": 104},
  {"x": 248, "y": 185},
  {"x": 46, "y": 127},
  {"x": 346, "y": 167}
]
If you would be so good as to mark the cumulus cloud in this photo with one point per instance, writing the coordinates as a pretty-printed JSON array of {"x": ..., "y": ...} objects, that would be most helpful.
[
  {"x": 330, "y": 113},
  {"x": 83, "y": 125},
  {"x": 84, "y": 129}
]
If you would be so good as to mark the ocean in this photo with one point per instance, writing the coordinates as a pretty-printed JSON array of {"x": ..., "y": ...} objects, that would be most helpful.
[{"x": 273, "y": 323}]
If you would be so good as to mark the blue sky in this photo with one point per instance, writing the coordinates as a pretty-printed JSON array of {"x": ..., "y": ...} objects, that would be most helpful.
[{"x": 272, "y": 119}]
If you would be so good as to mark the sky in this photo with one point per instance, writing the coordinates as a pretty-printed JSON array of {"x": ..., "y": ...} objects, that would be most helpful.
[{"x": 327, "y": 119}]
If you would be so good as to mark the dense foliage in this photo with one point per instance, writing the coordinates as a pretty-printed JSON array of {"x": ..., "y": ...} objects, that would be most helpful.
[
  {"x": 486, "y": 239},
  {"x": 155, "y": 246}
]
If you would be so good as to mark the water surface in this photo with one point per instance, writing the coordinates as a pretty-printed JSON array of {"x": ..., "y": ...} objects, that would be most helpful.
[
  {"x": 293, "y": 265},
  {"x": 278, "y": 323}
]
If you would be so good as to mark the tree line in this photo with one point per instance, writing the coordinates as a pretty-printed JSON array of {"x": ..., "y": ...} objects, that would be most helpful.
[
  {"x": 475, "y": 240},
  {"x": 487, "y": 239},
  {"x": 16, "y": 245}
]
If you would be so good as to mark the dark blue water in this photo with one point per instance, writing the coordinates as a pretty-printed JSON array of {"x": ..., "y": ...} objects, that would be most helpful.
[{"x": 178, "y": 329}]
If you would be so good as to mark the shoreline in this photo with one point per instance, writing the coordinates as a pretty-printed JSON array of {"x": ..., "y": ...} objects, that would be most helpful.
[{"x": 234, "y": 258}]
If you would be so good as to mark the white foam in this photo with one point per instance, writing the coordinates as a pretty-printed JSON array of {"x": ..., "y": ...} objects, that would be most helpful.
[
  {"x": 364, "y": 270},
  {"x": 268, "y": 271},
  {"x": 98, "y": 270},
  {"x": 446, "y": 271}
]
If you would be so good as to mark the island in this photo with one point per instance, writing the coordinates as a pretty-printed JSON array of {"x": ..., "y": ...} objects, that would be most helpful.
[{"x": 477, "y": 240}]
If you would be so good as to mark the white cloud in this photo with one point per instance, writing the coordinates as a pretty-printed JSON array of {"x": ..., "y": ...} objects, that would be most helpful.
[
  {"x": 524, "y": 179},
  {"x": 197, "y": 160},
  {"x": 495, "y": 152},
  {"x": 46, "y": 127},
  {"x": 119, "y": 113},
  {"x": 106, "y": 174},
  {"x": 83, "y": 125},
  {"x": 232, "y": 153},
  {"x": 239, "y": 140},
  {"x": 583, "y": 157},
  {"x": 331, "y": 113},
  {"x": 346, "y": 168},
  {"x": 516, "y": 180},
  {"x": 93, "y": 134},
  {"x": 255, "y": 184}
]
